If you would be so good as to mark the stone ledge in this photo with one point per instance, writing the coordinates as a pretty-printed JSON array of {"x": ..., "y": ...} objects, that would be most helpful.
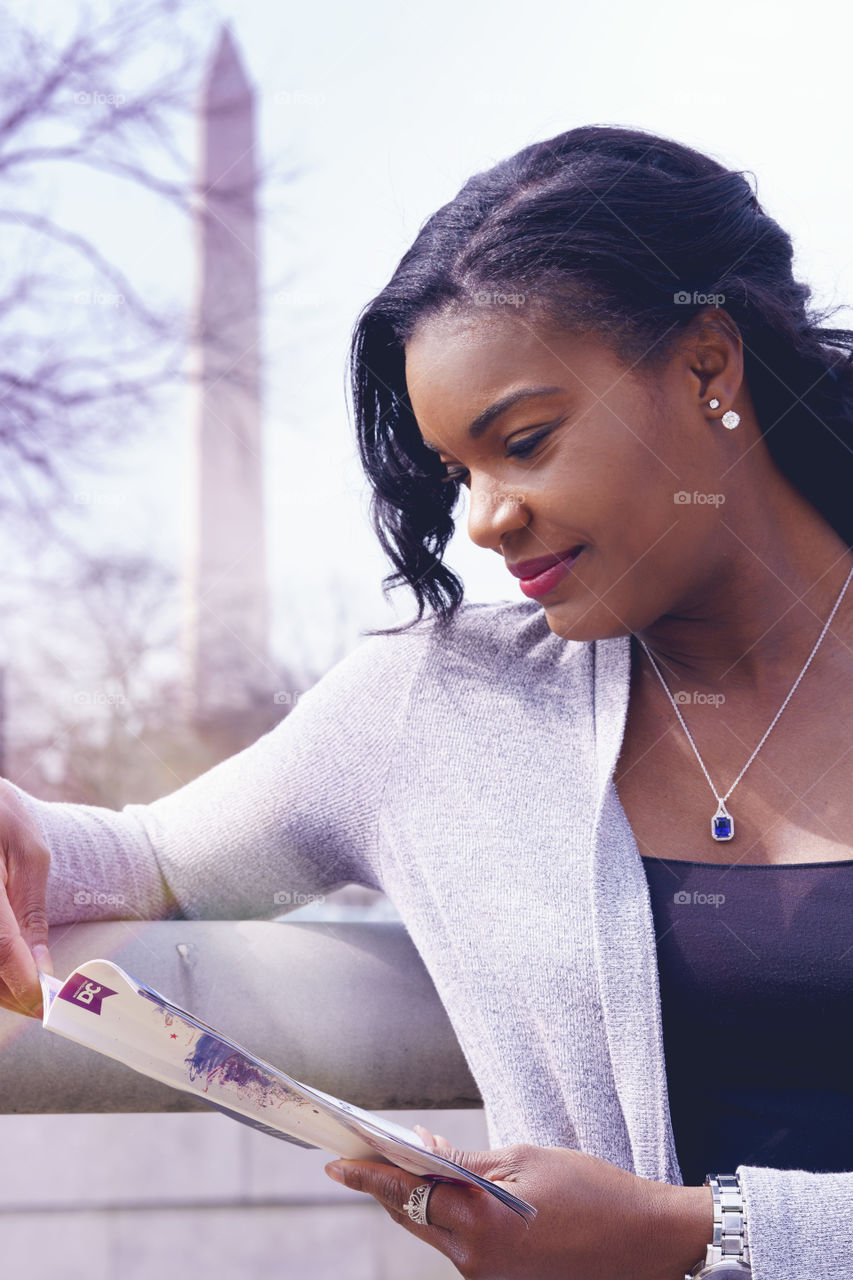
[{"x": 348, "y": 1008}]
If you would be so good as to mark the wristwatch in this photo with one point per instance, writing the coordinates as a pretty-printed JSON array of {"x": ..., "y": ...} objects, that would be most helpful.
[{"x": 727, "y": 1256}]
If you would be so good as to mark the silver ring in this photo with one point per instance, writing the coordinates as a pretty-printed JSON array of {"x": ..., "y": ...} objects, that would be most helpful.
[{"x": 416, "y": 1205}]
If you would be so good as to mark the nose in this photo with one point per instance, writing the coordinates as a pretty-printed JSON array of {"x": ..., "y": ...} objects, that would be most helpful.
[{"x": 493, "y": 512}]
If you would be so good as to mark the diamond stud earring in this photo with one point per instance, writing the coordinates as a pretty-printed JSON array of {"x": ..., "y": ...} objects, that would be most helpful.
[{"x": 729, "y": 419}]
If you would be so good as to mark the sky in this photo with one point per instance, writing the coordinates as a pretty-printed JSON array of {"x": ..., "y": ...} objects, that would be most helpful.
[{"x": 387, "y": 109}]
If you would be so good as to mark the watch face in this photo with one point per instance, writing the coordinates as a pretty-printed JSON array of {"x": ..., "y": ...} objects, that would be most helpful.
[{"x": 727, "y": 1270}]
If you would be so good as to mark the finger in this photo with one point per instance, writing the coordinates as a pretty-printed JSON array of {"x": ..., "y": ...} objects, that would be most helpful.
[
  {"x": 17, "y": 965},
  {"x": 10, "y": 1002},
  {"x": 501, "y": 1164},
  {"x": 27, "y": 867},
  {"x": 391, "y": 1187},
  {"x": 388, "y": 1183},
  {"x": 433, "y": 1140}
]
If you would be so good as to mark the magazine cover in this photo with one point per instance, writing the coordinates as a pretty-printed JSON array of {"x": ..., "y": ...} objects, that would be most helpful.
[{"x": 104, "y": 1008}]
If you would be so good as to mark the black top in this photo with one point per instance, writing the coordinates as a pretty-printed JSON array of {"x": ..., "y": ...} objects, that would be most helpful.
[{"x": 756, "y": 982}]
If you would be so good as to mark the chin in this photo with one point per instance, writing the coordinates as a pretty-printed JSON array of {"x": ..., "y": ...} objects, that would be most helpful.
[{"x": 596, "y": 624}]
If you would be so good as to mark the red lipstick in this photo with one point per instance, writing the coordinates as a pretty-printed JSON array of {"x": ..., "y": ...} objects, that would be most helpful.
[{"x": 538, "y": 577}]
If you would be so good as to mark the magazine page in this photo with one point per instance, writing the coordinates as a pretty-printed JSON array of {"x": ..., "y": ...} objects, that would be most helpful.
[{"x": 104, "y": 1008}]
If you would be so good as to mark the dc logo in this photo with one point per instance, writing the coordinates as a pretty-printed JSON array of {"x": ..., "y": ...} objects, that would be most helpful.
[{"x": 86, "y": 994}]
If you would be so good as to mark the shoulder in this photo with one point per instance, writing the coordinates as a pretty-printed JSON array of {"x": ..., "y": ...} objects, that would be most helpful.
[
  {"x": 504, "y": 642},
  {"x": 498, "y": 644}
]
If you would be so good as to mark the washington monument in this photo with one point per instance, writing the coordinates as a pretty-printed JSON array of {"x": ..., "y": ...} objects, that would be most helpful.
[{"x": 226, "y": 625}]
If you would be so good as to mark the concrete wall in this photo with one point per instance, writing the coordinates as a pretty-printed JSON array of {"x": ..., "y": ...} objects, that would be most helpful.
[{"x": 181, "y": 1197}]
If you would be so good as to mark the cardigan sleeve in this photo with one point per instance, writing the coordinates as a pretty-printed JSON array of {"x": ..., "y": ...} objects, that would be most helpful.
[
  {"x": 799, "y": 1224},
  {"x": 293, "y": 814}
]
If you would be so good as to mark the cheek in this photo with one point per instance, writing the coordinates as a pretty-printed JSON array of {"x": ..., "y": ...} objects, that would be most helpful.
[
  {"x": 651, "y": 493},
  {"x": 638, "y": 530},
  {"x": 618, "y": 478},
  {"x": 619, "y": 497}
]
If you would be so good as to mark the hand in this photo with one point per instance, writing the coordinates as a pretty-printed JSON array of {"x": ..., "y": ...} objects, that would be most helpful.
[
  {"x": 595, "y": 1221},
  {"x": 24, "y": 862}
]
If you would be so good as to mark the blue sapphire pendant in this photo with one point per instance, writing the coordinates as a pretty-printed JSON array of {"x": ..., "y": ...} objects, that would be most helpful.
[{"x": 722, "y": 823}]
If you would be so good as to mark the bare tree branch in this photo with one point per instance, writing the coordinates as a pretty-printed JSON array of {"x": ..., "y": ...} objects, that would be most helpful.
[{"x": 85, "y": 349}]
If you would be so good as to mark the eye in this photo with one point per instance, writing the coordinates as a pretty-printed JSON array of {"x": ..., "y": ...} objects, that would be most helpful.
[
  {"x": 523, "y": 448},
  {"x": 519, "y": 449}
]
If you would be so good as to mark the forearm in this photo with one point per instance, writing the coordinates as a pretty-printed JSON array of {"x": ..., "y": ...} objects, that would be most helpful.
[{"x": 103, "y": 866}]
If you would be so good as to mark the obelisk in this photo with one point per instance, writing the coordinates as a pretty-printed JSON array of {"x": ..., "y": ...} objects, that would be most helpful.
[{"x": 226, "y": 598}]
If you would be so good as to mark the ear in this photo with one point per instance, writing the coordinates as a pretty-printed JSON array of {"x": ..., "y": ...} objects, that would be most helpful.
[{"x": 712, "y": 352}]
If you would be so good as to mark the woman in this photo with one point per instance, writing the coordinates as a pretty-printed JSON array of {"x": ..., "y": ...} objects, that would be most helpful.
[{"x": 601, "y": 340}]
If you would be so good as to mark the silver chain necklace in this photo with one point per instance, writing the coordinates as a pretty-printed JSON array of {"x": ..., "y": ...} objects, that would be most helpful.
[{"x": 722, "y": 823}]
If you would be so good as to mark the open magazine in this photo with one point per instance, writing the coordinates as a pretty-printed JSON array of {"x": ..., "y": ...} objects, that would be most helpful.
[{"x": 101, "y": 1006}]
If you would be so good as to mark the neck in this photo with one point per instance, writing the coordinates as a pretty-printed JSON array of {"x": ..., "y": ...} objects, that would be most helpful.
[{"x": 752, "y": 622}]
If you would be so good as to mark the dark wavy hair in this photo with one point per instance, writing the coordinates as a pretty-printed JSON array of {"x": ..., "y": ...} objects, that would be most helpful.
[{"x": 604, "y": 227}]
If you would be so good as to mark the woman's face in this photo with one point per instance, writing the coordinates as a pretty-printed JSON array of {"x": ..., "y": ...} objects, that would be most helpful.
[{"x": 609, "y": 457}]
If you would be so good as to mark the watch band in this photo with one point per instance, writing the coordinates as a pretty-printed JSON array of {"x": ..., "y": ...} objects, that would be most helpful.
[{"x": 727, "y": 1255}]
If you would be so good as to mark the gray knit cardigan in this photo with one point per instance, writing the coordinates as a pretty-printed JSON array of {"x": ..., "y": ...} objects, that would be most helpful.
[{"x": 467, "y": 772}]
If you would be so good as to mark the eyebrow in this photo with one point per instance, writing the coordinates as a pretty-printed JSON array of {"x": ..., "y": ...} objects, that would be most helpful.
[{"x": 484, "y": 420}]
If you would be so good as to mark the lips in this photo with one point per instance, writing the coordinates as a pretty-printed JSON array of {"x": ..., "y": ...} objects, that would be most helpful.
[
  {"x": 531, "y": 568},
  {"x": 547, "y": 580}
]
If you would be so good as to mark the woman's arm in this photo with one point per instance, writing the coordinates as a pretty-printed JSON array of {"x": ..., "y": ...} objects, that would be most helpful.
[
  {"x": 294, "y": 813},
  {"x": 102, "y": 863},
  {"x": 800, "y": 1224}
]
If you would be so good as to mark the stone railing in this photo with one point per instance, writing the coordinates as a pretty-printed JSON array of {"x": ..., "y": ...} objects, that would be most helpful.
[{"x": 346, "y": 1007}]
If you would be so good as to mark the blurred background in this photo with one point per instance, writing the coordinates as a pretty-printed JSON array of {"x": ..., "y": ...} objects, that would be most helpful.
[{"x": 197, "y": 200}]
